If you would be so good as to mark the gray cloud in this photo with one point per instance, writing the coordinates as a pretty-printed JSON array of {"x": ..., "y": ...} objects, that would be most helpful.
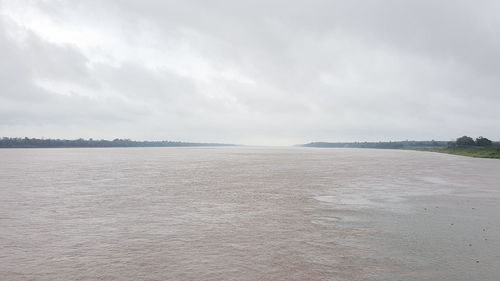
[{"x": 277, "y": 72}]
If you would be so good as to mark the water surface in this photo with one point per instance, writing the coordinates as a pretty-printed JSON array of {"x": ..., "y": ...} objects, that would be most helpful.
[{"x": 242, "y": 213}]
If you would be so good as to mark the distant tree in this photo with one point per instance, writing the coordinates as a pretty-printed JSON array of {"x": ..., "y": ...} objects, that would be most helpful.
[
  {"x": 465, "y": 140},
  {"x": 27, "y": 142},
  {"x": 483, "y": 142}
]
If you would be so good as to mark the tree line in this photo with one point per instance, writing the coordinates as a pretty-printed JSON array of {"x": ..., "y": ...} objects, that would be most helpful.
[
  {"x": 7, "y": 142},
  {"x": 386, "y": 145},
  {"x": 468, "y": 141},
  {"x": 462, "y": 141}
]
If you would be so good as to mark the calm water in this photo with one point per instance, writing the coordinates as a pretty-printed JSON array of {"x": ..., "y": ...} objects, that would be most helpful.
[{"x": 247, "y": 214}]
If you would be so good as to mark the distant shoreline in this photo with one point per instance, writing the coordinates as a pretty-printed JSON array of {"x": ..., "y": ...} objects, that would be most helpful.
[
  {"x": 91, "y": 143},
  {"x": 492, "y": 151}
]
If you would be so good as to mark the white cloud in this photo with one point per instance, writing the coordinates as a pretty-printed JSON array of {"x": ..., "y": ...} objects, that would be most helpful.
[{"x": 276, "y": 72}]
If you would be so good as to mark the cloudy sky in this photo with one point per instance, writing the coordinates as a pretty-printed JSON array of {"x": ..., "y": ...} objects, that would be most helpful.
[{"x": 251, "y": 72}]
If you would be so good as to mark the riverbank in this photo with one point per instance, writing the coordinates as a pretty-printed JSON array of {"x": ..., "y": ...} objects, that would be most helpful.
[
  {"x": 491, "y": 151},
  {"x": 470, "y": 151}
]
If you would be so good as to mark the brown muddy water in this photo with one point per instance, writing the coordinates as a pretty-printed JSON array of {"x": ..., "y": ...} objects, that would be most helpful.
[{"x": 246, "y": 213}]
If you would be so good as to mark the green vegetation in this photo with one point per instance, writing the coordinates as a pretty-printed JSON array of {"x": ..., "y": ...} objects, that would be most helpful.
[
  {"x": 40, "y": 143},
  {"x": 483, "y": 142},
  {"x": 471, "y": 151},
  {"x": 466, "y": 146},
  {"x": 465, "y": 140}
]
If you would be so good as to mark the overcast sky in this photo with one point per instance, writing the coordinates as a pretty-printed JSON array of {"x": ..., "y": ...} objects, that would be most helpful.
[{"x": 251, "y": 72}]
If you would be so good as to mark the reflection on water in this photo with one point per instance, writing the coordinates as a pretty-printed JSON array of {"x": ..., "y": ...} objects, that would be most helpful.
[{"x": 247, "y": 214}]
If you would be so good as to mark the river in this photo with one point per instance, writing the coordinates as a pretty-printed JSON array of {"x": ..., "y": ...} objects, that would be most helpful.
[{"x": 247, "y": 213}]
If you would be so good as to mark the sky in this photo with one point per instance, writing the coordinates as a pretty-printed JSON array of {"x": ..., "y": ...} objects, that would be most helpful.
[{"x": 250, "y": 72}]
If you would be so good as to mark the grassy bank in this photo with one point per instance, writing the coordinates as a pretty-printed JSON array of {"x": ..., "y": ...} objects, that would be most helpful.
[{"x": 471, "y": 151}]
